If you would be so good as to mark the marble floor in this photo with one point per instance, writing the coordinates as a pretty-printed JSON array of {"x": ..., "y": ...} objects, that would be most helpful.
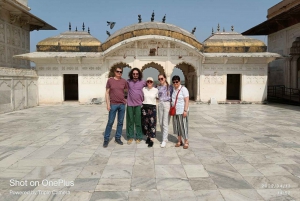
[{"x": 237, "y": 152}]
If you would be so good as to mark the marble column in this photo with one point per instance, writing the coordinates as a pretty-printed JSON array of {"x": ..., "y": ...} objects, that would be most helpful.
[{"x": 294, "y": 72}]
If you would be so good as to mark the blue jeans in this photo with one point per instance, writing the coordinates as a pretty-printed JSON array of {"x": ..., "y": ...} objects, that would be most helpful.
[{"x": 120, "y": 108}]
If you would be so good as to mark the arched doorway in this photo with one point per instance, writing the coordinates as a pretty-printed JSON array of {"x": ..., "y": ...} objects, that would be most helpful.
[
  {"x": 152, "y": 70},
  {"x": 190, "y": 76}
]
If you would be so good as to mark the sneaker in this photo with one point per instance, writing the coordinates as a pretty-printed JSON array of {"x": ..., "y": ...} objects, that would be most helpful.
[
  {"x": 129, "y": 141},
  {"x": 163, "y": 144},
  {"x": 118, "y": 141},
  {"x": 137, "y": 141},
  {"x": 105, "y": 144}
]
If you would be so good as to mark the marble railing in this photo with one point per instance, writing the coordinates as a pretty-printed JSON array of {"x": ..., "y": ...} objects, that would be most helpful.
[{"x": 18, "y": 89}]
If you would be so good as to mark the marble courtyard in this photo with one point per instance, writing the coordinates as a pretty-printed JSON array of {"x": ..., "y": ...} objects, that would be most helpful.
[{"x": 237, "y": 152}]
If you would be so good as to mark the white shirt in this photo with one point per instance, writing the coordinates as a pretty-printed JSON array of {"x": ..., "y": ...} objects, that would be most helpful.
[
  {"x": 150, "y": 95},
  {"x": 180, "y": 100}
]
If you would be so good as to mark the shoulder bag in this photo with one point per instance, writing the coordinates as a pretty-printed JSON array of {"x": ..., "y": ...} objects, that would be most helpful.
[{"x": 172, "y": 111}]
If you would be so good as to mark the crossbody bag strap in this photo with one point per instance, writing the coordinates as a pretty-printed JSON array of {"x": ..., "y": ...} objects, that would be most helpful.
[{"x": 177, "y": 96}]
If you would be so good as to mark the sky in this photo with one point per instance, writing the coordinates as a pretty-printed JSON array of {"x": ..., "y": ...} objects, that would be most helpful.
[{"x": 187, "y": 14}]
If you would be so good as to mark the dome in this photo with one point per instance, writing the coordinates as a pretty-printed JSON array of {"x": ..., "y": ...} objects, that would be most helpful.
[
  {"x": 151, "y": 28},
  {"x": 295, "y": 49},
  {"x": 232, "y": 42},
  {"x": 70, "y": 41}
]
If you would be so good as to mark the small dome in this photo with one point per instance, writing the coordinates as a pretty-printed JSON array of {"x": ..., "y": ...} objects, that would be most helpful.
[
  {"x": 295, "y": 49},
  {"x": 151, "y": 28},
  {"x": 70, "y": 41},
  {"x": 232, "y": 42}
]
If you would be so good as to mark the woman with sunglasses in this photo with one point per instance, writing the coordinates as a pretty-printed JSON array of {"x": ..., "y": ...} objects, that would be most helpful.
[
  {"x": 180, "y": 120},
  {"x": 164, "y": 96},
  {"x": 149, "y": 111}
]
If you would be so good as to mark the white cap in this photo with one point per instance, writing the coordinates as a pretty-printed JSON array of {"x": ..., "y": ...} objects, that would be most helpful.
[{"x": 150, "y": 78}]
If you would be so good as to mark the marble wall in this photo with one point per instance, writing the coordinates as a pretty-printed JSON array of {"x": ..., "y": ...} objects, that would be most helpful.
[
  {"x": 18, "y": 89},
  {"x": 253, "y": 81},
  {"x": 14, "y": 40},
  {"x": 281, "y": 42}
]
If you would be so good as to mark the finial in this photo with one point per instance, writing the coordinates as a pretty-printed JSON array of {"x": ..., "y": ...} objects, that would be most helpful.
[
  {"x": 89, "y": 30},
  {"x": 212, "y": 31},
  {"x": 223, "y": 29},
  {"x": 218, "y": 28},
  {"x": 194, "y": 29},
  {"x": 164, "y": 19},
  {"x": 152, "y": 18},
  {"x": 69, "y": 26},
  {"x": 76, "y": 28},
  {"x": 107, "y": 32},
  {"x": 232, "y": 28},
  {"x": 83, "y": 27},
  {"x": 140, "y": 18}
]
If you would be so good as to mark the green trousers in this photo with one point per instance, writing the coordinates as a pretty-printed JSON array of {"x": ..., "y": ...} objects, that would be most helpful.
[{"x": 133, "y": 118}]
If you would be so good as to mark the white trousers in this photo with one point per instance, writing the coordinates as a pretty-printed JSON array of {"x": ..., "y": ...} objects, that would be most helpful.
[{"x": 164, "y": 118}]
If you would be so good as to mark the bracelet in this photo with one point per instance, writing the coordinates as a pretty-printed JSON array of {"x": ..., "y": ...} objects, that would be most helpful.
[{"x": 185, "y": 110}]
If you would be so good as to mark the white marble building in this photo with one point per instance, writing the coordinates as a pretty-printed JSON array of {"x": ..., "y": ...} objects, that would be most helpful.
[
  {"x": 227, "y": 66},
  {"x": 18, "y": 83},
  {"x": 283, "y": 30}
]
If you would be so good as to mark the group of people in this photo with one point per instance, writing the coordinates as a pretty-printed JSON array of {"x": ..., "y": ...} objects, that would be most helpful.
[{"x": 141, "y": 107}]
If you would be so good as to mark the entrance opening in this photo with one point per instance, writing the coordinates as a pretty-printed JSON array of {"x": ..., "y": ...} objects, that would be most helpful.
[
  {"x": 233, "y": 86},
  {"x": 71, "y": 86}
]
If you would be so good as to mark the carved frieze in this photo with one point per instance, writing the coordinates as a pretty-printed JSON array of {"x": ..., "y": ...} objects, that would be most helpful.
[
  {"x": 17, "y": 72},
  {"x": 255, "y": 79},
  {"x": 213, "y": 79},
  {"x": 91, "y": 79}
]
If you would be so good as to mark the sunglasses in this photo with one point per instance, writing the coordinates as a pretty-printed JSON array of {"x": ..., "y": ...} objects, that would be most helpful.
[
  {"x": 175, "y": 82},
  {"x": 161, "y": 78},
  {"x": 149, "y": 81},
  {"x": 119, "y": 71},
  {"x": 135, "y": 73}
]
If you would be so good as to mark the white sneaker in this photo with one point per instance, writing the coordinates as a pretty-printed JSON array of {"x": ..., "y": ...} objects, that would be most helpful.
[{"x": 163, "y": 144}]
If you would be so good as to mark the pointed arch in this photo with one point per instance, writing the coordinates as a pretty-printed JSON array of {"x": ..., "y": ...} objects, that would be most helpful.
[
  {"x": 157, "y": 66},
  {"x": 186, "y": 66}
]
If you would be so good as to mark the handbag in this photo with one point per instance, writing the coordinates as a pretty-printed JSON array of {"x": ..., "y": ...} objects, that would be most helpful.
[{"x": 172, "y": 111}]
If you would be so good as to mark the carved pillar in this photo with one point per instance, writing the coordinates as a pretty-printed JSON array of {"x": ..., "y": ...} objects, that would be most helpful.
[
  {"x": 294, "y": 72},
  {"x": 287, "y": 72},
  {"x": 26, "y": 94},
  {"x": 198, "y": 88},
  {"x": 12, "y": 95}
]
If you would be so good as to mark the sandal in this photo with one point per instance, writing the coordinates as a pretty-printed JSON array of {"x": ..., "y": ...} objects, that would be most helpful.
[
  {"x": 186, "y": 145},
  {"x": 178, "y": 144}
]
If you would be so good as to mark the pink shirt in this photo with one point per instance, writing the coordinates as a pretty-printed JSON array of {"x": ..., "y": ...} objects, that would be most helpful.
[{"x": 116, "y": 90}]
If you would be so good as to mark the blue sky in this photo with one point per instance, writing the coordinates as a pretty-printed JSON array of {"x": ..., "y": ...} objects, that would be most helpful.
[{"x": 204, "y": 14}]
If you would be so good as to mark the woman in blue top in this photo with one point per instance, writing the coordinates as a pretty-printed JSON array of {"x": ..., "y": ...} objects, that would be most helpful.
[{"x": 164, "y": 96}]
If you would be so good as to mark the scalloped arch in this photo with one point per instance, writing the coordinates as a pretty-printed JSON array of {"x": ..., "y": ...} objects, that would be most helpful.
[
  {"x": 152, "y": 64},
  {"x": 191, "y": 67}
]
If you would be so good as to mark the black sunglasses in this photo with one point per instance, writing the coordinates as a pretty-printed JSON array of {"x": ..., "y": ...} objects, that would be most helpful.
[
  {"x": 149, "y": 81},
  {"x": 119, "y": 71},
  {"x": 175, "y": 82},
  {"x": 161, "y": 78}
]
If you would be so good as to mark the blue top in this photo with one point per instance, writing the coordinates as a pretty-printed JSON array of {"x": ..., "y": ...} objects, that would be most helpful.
[{"x": 164, "y": 94}]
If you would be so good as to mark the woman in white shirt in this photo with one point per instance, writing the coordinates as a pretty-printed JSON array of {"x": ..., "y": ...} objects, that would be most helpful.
[
  {"x": 149, "y": 111},
  {"x": 180, "y": 120}
]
